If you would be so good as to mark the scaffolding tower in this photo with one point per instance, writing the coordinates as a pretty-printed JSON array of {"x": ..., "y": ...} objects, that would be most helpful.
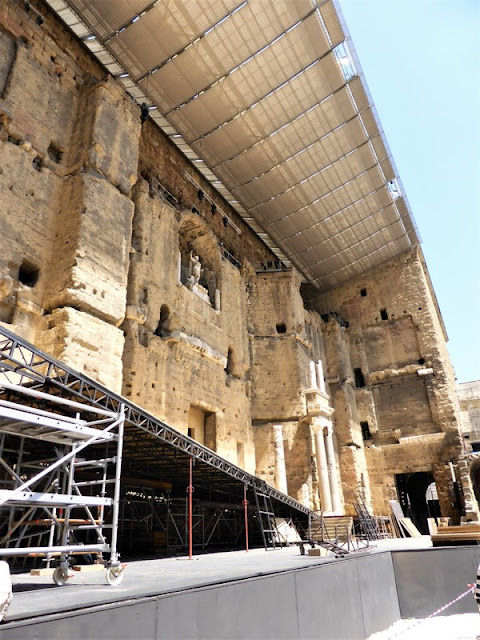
[{"x": 62, "y": 473}]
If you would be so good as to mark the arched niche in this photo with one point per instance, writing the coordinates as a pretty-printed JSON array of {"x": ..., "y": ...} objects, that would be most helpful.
[
  {"x": 163, "y": 327},
  {"x": 199, "y": 259},
  {"x": 475, "y": 477}
]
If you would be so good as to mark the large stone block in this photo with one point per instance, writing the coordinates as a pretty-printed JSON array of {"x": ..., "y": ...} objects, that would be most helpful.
[
  {"x": 111, "y": 135},
  {"x": 7, "y": 55},
  {"x": 87, "y": 344},
  {"x": 43, "y": 107},
  {"x": 90, "y": 265},
  {"x": 277, "y": 379},
  {"x": 28, "y": 203}
]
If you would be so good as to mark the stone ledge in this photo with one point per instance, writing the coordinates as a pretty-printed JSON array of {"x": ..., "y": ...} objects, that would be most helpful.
[{"x": 197, "y": 345}]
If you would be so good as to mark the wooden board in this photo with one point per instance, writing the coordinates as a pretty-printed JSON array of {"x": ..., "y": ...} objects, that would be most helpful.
[
  {"x": 396, "y": 509},
  {"x": 41, "y": 572},
  {"x": 463, "y": 529},
  {"x": 432, "y": 526},
  {"x": 458, "y": 537},
  {"x": 410, "y": 527},
  {"x": 88, "y": 567}
]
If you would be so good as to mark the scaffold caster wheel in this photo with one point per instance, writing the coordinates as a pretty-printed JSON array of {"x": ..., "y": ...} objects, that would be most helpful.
[
  {"x": 61, "y": 575},
  {"x": 115, "y": 575}
]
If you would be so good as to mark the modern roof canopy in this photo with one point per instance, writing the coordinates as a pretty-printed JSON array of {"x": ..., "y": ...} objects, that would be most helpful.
[{"x": 268, "y": 100}]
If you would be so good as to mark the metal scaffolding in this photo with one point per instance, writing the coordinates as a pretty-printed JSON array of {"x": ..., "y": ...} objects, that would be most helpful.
[
  {"x": 47, "y": 510},
  {"x": 82, "y": 466}
]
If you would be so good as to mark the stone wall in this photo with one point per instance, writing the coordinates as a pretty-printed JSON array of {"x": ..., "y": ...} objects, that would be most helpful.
[
  {"x": 468, "y": 394},
  {"x": 99, "y": 212},
  {"x": 69, "y": 155},
  {"x": 389, "y": 372},
  {"x": 102, "y": 220}
]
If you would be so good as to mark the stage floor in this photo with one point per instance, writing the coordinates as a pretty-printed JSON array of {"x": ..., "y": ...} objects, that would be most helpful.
[{"x": 38, "y": 596}]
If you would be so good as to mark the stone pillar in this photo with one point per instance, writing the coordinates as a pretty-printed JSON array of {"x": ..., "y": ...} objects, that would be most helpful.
[
  {"x": 333, "y": 471},
  {"x": 304, "y": 495},
  {"x": 312, "y": 377},
  {"x": 281, "y": 475},
  {"x": 322, "y": 469},
  {"x": 320, "y": 380}
]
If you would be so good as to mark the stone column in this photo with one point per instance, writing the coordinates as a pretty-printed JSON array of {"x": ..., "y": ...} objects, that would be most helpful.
[
  {"x": 304, "y": 496},
  {"x": 333, "y": 471},
  {"x": 281, "y": 474},
  {"x": 320, "y": 380},
  {"x": 312, "y": 377},
  {"x": 322, "y": 469}
]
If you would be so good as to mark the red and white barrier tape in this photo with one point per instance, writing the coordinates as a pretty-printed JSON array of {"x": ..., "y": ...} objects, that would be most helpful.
[{"x": 471, "y": 588}]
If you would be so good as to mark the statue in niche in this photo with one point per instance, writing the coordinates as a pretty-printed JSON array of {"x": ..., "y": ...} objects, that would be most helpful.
[{"x": 194, "y": 270}]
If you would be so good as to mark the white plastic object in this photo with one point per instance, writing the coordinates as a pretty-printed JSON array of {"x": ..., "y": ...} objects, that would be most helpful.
[{"x": 5, "y": 588}]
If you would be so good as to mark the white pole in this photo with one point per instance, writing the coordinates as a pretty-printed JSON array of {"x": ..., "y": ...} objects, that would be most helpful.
[
  {"x": 281, "y": 474},
  {"x": 322, "y": 469},
  {"x": 312, "y": 377},
  {"x": 320, "y": 380}
]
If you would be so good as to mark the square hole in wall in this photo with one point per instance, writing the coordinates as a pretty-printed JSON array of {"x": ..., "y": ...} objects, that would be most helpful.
[
  {"x": 366, "y": 435},
  {"x": 28, "y": 274},
  {"x": 54, "y": 153},
  {"x": 359, "y": 379}
]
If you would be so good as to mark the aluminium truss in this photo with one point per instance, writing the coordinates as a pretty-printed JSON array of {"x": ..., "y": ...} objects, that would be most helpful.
[{"x": 151, "y": 448}]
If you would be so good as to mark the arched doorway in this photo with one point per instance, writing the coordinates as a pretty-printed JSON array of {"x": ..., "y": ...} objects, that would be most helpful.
[
  {"x": 412, "y": 495},
  {"x": 475, "y": 477}
]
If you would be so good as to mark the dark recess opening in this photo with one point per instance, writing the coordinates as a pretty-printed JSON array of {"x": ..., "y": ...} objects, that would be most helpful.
[
  {"x": 54, "y": 153},
  {"x": 164, "y": 315},
  {"x": 37, "y": 163},
  {"x": 28, "y": 274},
  {"x": 281, "y": 327},
  {"x": 363, "y": 292},
  {"x": 412, "y": 495},
  {"x": 383, "y": 314},
  {"x": 228, "y": 368},
  {"x": 359, "y": 379},
  {"x": 421, "y": 361},
  {"x": 366, "y": 435}
]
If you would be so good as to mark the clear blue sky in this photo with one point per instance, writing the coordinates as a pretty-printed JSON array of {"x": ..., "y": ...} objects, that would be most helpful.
[{"x": 421, "y": 61}]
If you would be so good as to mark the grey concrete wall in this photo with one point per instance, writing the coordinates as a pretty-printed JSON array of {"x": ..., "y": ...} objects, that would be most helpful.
[
  {"x": 343, "y": 600},
  {"x": 429, "y": 579},
  {"x": 348, "y": 599}
]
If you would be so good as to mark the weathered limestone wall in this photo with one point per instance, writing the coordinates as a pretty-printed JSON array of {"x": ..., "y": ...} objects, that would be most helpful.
[
  {"x": 468, "y": 394},
  {"x": 102, "y": 219},
  {"x": 181, "y": 351},
  {"x": 70, "y": 145},
  {"x": 388, "y": 367},
  {"x": 90, "y": 270},
  {"x": 69, "y": 155},
  {"x": 284, "y": 339},
  {"x": 346, "y": 419}
]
